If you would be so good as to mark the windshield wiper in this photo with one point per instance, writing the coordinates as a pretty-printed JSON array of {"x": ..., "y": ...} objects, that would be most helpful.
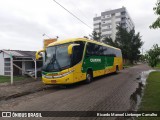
[
  {"x": 58, "y": 64},
  {"x": 53, "y": 58},
  {"x": 54, "y": 61}
]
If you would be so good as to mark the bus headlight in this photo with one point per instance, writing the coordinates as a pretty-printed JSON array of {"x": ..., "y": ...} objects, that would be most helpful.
[
  {"x": 47, "y": 76},
  {"x": 67, "y": 73},
  {"x": 58, "y": 76}
]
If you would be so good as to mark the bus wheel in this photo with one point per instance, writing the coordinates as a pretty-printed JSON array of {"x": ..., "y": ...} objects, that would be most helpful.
[
  {"x": 89, "y": 76},
  {"x": 117, "y": 69}
]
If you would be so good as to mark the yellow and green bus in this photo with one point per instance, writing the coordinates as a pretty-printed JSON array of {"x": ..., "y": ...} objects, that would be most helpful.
[{"x": 73, "y": 60}]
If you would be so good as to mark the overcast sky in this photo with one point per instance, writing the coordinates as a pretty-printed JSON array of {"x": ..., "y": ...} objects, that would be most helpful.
[{"x": 23, "y": 22}]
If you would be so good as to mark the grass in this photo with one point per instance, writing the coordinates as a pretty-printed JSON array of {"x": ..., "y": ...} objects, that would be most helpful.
[
  {"x": 151, "y": 98},
  {"x": 158, "y": 66},
  {"x": 8, "y": 78}
]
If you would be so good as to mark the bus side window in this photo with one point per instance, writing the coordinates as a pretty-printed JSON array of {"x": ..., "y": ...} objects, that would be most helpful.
[
  {"x": 105, "y": 49},
  {"x": 118, "y": 53},
  {"x": 94, "y": 49},
  {"x": 99, "y": 50},
  {"x": 89, "y": 49},
  {"x": 78, "y": 52},
  {"x": 110, "y": 52}
]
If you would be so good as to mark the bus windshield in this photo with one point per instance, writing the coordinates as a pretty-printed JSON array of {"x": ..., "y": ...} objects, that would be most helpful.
[{"x": 57, "y": 58}]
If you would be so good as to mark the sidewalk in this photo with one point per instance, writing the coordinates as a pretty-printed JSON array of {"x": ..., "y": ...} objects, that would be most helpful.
[{"x": 20, "y": 88}]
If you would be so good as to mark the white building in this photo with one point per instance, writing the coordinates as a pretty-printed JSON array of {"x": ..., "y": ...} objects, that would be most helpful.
[
  {"x": 108, "y": 21},
  {"x": 23, "y": 59}
]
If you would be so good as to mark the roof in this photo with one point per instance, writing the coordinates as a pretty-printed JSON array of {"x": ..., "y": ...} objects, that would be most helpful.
[
  {"x": 79, "y": 39},
  {"x": 20, "y": 53}
]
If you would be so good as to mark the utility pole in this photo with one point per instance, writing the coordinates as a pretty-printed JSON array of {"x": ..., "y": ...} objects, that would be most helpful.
[
  {"x": 11, "y": 68},
  {"x": 35, "y": 63}
]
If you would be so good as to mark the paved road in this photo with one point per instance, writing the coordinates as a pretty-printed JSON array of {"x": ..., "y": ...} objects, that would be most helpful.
[{"x": 107, "y": 93}]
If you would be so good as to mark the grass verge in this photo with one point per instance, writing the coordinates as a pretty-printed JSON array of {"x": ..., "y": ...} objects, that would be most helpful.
[
  {"x": 151, "y": 98},
  {"x": 8, "y": 78},
  {"x": 158, "y": 66}
]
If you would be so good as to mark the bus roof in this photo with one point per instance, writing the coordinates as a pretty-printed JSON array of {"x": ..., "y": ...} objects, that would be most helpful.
[{"x": 79, "y": 39}]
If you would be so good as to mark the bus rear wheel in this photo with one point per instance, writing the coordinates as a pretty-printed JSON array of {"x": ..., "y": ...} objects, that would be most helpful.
[
  {"x": 89, "y": 76},
  {"x": 117, "y": 69}
]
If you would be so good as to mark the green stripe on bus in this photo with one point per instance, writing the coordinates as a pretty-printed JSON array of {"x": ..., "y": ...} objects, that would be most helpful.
[{"x": 97, "y": 63}]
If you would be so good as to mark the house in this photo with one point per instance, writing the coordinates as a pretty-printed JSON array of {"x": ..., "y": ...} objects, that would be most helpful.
[{"x": 21, "y": 61}]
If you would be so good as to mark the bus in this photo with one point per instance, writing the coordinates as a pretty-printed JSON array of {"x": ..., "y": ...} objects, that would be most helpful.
[{"x": 74, "y": 60}]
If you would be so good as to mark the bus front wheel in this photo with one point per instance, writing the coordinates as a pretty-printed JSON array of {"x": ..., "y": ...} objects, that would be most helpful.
[{"x": 89, "y": 76}]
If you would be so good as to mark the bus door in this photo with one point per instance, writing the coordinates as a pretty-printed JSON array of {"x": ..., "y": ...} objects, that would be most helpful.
[{"x": 77, "y": 61}]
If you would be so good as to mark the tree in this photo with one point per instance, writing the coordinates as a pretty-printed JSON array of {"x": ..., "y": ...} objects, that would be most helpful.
[
  {"x": 156, "y": 24},
  {"x": 109, "y": 41},
  {"x": 153, "y": 55},
  {"x": 96, "y": 36},
  {"x": 134, "y": 46},
  {"x": 128, "y": 42}
]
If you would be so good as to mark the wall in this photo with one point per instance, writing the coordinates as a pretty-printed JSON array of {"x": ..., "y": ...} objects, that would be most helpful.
[
  {"x": 29, "y": 65},
  {"x": 1, "y": 64}
]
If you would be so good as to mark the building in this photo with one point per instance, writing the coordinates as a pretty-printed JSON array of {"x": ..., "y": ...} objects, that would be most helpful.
[
  {"x": 21, "y": 61},
  {"x": 107, "y": 22}
]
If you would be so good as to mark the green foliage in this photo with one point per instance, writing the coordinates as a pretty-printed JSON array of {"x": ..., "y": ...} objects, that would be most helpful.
[
  {"x": 128, "y": 42},
  {"x": 156, "y": 9},
  {"x": 109, "y": 41},
  {"x": 142, "y": 58},
  {"x": 153, "y": 55},
  {"x": 158, "y": 65},
  {"x": 96, "y": 36}
]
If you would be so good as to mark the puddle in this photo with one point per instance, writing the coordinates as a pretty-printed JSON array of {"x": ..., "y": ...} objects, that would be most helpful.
[
  {"x": 136, "y": 97},
  {"x": 143, "y": 76}
]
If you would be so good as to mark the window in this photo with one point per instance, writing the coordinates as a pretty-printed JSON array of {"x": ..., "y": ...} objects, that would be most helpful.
[
  {"x": 108, "y": 26},
  {"x": 7, "y": 60},
  {"x": 108, "y": 16},
  {"x": 94, "y": 49},
  {"x": 77, "y": 52},
  {"x": 123, "y": 24},
  {"x": 99, "y": 50},
  {"x": 123, "y": 13},
  {"x": 118, "y": 53},
  {"x": 113, "y": 14},
  {"x": 109, "y": 51},
  {"x": 123, "y": 18}
]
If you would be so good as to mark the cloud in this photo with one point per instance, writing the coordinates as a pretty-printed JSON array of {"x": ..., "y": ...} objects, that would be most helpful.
[{"x": 22, "y": 23}]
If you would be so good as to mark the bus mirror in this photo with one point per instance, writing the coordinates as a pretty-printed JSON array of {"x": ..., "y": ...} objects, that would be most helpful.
[
  {"x": 38, "y": 56},
  {"x": 70, "y": 48}
]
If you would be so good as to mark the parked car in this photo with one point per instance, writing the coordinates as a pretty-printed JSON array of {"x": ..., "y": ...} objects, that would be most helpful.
[{"x": 31, "y": 72}]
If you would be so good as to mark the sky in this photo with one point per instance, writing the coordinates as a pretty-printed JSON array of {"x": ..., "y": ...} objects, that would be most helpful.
[{"x": 23, "y": 22}]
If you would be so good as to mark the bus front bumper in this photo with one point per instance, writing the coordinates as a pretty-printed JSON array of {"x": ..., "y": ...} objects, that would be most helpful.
[{"x": 68, "y": 79}]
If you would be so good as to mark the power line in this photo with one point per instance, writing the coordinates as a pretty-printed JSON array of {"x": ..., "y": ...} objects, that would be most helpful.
[
  {"x": 82, "y": 13},
  {"x": 72, "y": 14}
]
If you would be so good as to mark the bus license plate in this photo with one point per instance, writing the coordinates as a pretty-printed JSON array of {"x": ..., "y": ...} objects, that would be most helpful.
[{"x": 53, "y": 81}]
